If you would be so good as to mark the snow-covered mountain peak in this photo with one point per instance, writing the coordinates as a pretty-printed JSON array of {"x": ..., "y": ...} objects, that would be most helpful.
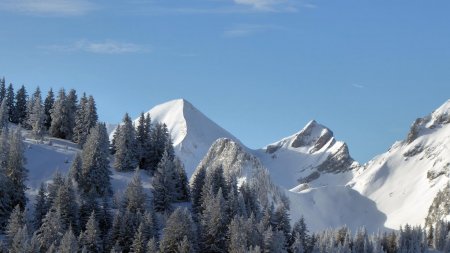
[{"x": 192, "y": 132}]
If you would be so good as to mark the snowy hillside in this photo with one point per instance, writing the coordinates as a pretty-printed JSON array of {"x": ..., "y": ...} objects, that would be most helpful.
[
  {"x": 404, "y": 181},
  {"x": 192, "y": 132}
]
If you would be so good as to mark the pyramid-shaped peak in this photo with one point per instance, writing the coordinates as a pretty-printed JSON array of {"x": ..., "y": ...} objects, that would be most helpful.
[{"x": 310, "y": 134}]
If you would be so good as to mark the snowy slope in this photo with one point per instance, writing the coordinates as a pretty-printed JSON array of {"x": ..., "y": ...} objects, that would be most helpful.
[
  {"x": 192, "y": 132},
  {"x": 404, "y": 181},
  {"x": 44, "y": 159}
]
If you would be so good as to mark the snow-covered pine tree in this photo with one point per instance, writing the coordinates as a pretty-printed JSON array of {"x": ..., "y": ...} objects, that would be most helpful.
[
  {"x": 164, "y": 185},
  {"x": 125, "y": 156},
  {"x": 71, "y": 110},
  {"x": 2, "y": 88},
  {"x": 75, "y": 169},
  {"x": 161, "y": 142},
  {"x": 237, "y": 235},
  {"x": 79, "y": 130},
  {"x": 151, "y": 246},
  {"x": 66, "y": 204},
  {"x": 299, "y": 235},
  {"x": 60, "y": 125},
  {"x": 185, "y": 246},
  {"x": 10, "y": 98},
  {"x": 69, "y": 242},
  {"x": 213, "y": 222},
  {"x": 41, "y": 207},
  {"x": 135, "y": 198},
  {"x": 142, "y": 142},
  {"x": 181, "y": 182},
  {"x": 51, "y": 231},
  {"x": 48, "y": 105},
  {"x": 4, "y": 116},
  {"x": 281, "y": 221},
  {"x": 36, "y": 116},
  {"x": 53, "y": 187},
  {"x": 21, "y": 241},
  {"x": 20, "y": 108},
  {"x": 139, "y": 241},
  {"x": 90, "y": 238},
  {"x": 196, "y": 190},
  {"x": 15, "y": 169},
  {"x": 179, "y": 225},
  {"x": 15, "y": 222},
  {"x": 95, "y": 173}
]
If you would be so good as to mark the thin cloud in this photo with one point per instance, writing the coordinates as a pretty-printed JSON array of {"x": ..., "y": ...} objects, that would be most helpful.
[
  {"x": 244, "y": 30},
  {"x": 48, "y": 7},
  {"x": 358, "y": 86},
  {"x": 105, "y": 47},
  {"x": 270, "y": 5}
]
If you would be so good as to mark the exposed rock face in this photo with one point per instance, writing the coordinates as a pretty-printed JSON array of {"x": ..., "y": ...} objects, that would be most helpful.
[
  {"x": 314, "y": 135},
  {"x": 338, "y": 162}
]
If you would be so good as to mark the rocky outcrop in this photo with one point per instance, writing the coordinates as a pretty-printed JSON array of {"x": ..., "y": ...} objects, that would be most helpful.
[{"x": 341, "y": 161}]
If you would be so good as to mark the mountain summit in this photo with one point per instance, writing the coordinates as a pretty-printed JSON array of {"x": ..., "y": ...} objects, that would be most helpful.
[{"x": 192, "y": 132}]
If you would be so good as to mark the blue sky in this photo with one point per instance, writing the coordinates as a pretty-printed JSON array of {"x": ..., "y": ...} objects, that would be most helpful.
[{"x": 260, "y": 68}]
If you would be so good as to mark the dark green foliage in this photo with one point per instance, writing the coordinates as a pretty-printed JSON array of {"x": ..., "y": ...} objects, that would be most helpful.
[
  {"x": 20, "y": 108},
  {"x": 48, "y": 105}
]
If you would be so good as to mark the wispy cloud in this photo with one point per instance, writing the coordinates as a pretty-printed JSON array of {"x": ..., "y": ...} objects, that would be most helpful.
[
  {"x": 104, "y": 47},
  {"x": 48, "y": 7},
  {"x": 244, "y": 30},
  {"x": 270, "y": 5},
  {"x": 358, "y": 86}
]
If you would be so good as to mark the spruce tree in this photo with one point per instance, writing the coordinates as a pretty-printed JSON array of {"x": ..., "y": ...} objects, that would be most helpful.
[
  {"x": 80, "y": 129},
  {"x": 125, "y": 156},
  {"x": 36, "y": 115},
  {"x": 2, "y": 89},
  {"x": 151, "y": 246},
  {"x": 16, "y": 171},
  {"x": 71, "y": 110},
  {"x": 41, "y": 207},
  {"x": 59, "y": 127},
  {"x": 135, "y": 198},
  {"x": 95, "y": 173},
  {"x": 65, "y": 203},
  {"x": 181, "y": 182},
  {"x": 21, "y": 241},
  {"x": 237, "y": 235},
  {"x": 20, "y": 112},
  {"x": 213, "y": 222},
  {"x": 15, "y": 222},
  {"x": 48, "y": 105},
  {"x": 69, "y": 242},
  {"x": 90, "y": 238},
  {"x": 179, "y": 225},
  {"x": 75, "y": 168},
  {"x": 4, "y": 116},
  {"x": 51, "y": 231},
  {"x": 11, "y": 102},
  {"x": 144, "y": 142},
  {"x": 139, "y": 241},
  {"x": 196, "y": 190},
  {"x": 163, "y": 185}
]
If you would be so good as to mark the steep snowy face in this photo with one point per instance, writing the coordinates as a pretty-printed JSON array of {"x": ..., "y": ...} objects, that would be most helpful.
[
  {"x": 405, "y": 180},
  {"x": 311, "y": 157},
  {"x": 192, "y": 132}
]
